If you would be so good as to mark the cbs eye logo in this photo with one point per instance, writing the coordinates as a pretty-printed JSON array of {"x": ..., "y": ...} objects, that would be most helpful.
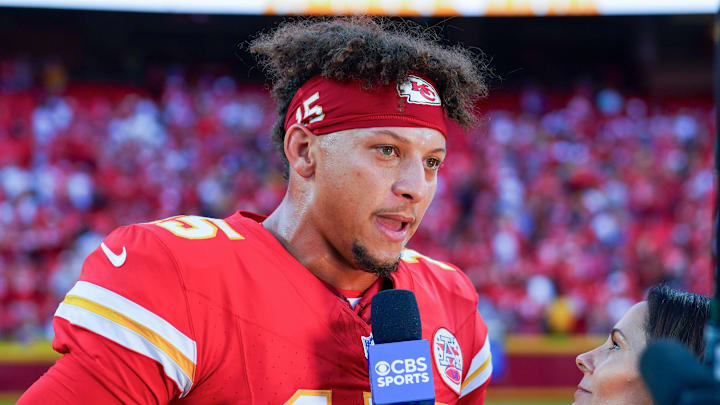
[{"x": 382, "y": 368}]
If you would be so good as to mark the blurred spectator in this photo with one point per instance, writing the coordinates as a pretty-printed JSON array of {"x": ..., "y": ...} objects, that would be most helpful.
[{"x": 562, "y": 209}]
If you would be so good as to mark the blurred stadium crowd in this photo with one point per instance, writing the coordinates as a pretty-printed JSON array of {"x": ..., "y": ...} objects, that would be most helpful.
[{"x": 562, "y": 208}]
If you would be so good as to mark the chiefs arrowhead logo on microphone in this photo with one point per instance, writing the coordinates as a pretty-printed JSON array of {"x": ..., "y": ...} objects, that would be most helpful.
[{"x": 418, "y": 91}]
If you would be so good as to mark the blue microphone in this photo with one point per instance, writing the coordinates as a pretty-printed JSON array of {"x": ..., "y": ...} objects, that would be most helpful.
[{"x": 399, "y": 362}]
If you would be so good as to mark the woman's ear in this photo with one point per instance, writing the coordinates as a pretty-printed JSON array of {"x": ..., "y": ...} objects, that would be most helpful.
[{"x": 298, "y": 146}]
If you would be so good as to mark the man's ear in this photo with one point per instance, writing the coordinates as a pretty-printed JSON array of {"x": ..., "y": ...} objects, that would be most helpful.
[{"x": 298, "y": 146}]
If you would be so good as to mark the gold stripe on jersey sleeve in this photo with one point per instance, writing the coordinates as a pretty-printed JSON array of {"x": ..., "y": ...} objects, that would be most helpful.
[
  {"x": 479, "y": 370},
  {"x": 180, "y": 359}
]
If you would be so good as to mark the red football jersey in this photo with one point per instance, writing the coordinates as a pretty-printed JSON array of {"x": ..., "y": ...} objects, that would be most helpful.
[{"x": 207, "y": 311}]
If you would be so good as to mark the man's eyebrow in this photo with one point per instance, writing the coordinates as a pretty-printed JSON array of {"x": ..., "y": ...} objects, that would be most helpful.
[
  {"x": 404, "y": 140},
  {"x": 393, "y": 134}
]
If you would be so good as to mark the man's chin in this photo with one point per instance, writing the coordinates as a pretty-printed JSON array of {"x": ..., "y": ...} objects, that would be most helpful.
[{"x": 371, "y": 263}]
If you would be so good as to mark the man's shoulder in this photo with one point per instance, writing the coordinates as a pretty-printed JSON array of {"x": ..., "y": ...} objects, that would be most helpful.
[
  {"x": 194, "y": 247},
  {"x": 186, "y": 237},
  {"x": 436, "y": 275},
  {"x": 146, "y": 266},
  {"x": 195, "y": 229}
]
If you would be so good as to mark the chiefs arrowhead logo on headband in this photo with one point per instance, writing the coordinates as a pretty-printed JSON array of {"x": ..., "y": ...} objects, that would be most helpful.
[
  {"x": 418, "y": 91},
  {"x": 325, "y": 106}
]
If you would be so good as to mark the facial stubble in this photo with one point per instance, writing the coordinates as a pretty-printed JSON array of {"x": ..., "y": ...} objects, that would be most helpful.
[{"x": 367, "y": 262}]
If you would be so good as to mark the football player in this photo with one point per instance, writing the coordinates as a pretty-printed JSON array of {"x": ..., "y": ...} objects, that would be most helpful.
[{"x": 276, "y": 310}]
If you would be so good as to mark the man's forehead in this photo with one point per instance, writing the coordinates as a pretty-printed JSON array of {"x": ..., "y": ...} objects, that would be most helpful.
[{"x": 403, "y": 135}]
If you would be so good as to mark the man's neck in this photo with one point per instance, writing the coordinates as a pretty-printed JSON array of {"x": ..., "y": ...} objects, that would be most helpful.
[{"x": 294, "y": 229}]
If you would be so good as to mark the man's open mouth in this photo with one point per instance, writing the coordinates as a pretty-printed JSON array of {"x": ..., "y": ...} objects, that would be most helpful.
[{"x": 394, "y": 227}]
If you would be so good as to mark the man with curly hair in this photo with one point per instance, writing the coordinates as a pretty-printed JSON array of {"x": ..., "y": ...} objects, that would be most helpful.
[{"x": 276, "y": 309}]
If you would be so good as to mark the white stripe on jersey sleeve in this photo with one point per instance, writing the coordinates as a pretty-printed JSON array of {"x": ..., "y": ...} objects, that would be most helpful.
[
  {"x": 118, "y": 303},
  {"x": 117, "y": 318},
  {"x": 127, "y": 338},
  {"x": 480, "y": 369}
]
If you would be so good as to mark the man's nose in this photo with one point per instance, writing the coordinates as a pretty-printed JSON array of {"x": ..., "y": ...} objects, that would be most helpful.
[{"x": 412, "y": 183}]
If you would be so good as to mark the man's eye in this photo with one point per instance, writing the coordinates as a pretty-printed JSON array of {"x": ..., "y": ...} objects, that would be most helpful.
[{"x": 387, "y": 150}]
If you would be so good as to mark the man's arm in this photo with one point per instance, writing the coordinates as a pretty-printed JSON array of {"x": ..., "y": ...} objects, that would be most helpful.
[
  {"x": 123, "y": 329},
  {"x": 67, "y": 382},
  {"x": 103, "y": 372},
  {"x": 477, "y": 377}
]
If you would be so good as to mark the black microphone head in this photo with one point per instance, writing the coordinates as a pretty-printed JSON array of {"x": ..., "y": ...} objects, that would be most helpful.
[
  {"x": 395, "y": 317},
  {"x": 669, "y": 369}
]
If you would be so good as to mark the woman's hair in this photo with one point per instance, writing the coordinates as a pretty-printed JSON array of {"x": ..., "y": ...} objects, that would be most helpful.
[
  {"x": 375, "y": 51},
  {"x": 677, "y": 315}
]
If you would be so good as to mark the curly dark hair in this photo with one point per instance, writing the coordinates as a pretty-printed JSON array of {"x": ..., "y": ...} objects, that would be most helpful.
[{"x": 375, "y": 51}]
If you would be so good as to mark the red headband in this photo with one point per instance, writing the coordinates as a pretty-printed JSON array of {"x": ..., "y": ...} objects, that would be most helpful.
[{"x": 326, "y": 106}]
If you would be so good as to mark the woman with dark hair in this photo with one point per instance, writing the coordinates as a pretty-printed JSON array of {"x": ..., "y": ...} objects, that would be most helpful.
[{"x": 611, "y": 375}]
